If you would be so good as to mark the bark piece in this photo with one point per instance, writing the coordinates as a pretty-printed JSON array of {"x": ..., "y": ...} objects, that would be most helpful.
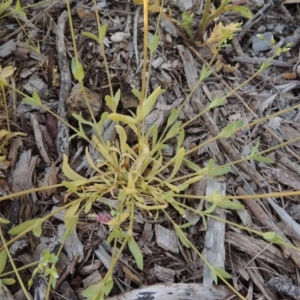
[
  {"x": 73, "y": 245},
  {"x": 76, "y": 101},
  {"x": 62, "y": 141},
  {"x": 176, "y": 292},
  {"x": 283, "y": 285},
  {"x": 164, "y": 274},
  {"x": 166, "y": 239},
  {"x": 259, "y": 249},
  {"x": 214, "y": 245},
  {"x": 94, "y": 278}
]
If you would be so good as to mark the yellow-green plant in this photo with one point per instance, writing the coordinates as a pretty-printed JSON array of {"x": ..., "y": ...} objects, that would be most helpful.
[
  {"x": 137, "y": 174},
  {"x": 211, "y": 13}
]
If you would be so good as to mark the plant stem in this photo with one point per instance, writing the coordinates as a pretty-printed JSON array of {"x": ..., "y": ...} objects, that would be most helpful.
[{"x": 204, "y": 21}]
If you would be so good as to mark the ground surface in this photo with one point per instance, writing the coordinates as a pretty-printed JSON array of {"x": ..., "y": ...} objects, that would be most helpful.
[{"x": 34, "y": 161}]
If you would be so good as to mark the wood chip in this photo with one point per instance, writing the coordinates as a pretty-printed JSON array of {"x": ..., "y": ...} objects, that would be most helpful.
[
  {"x": 72, "y": 245},
  {"x": 166, "y": 239},
  {"x": 214, "y": 245},
  {"x": 164, "y": 274},
  {"x": 94, "y": 278},
  {"x": 258, "y": 248},
  {"x": 177, "y": 292}
]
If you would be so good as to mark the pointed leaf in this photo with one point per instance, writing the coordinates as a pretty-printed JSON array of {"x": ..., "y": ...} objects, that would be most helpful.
[
  {"x": 68, "y": 172},
  {"x": 8, "y": 281},
  {"x": 71, "y": 212},
  {"x": 255, "y": 148},
  {"x": 219, "y": 171},
  {"x": 92, "y": 290},
  {"x": 121, "y": 118},
  {"x": 4, "y": 6},
  {"x": 228, "y": 204},
  {"x": 273, "y": 237},
  {"x": 178, "y": 161},
  {"x": 153, "y": 44},
  {"x": 217, "y": 102},
  {"x": 174, "y": 130},
  {"x": 216, "y": 271},
  {"x": 4, "y": 221},
  {"x": 205, "y": 73},
  {"x": 37, "y": 229},
  {"x": 230, "y": 129},
  {"x": 173, "y": 117},
  {"x": 80, "y": 119},
  {"x": 192, "y": 166},
  {"x": 265, "y": 159},
  {"x": 77, "y": 69},
  {"x": 184, "y": 240},
  {"x": 3, "y": 259},
  {"x": 91, "y": 36},
  {"x": 136, "y": 252},
  {"x": 180, "y": 138},
  {"x": 136, "y": 93},
  {"x": 149, "y": 103},
  {"x": 22, "y": 227},
  {"x": 102, "y": 32}
]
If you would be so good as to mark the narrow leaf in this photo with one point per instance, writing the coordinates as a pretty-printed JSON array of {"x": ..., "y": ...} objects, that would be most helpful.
[
  {"x": 273, "y": 237},
  {"x": 8, "y": 281},
  {"x": 22, "y": 227},
  {"x": 154, "y": 43},
  {"x": 4, "y": 6},
  {"x": 178, "y": 161},
  {"x": 217, "y": 102},
  {"x": 136, "y": 252},
  {"x": 182, "y": 237},
  {"x": 3, "y": 259},
  {"x": 102, "y": 32},
  {"x": 216, "y": 271},
  {"x": 230, "y": 129},
  {"x": 173, "y": 117},
  {"x": 265, "y": 159},
  {"x": 219, "y": 171},
  {"x": 36, "y": 98},
  {"x": 121, "y": 118},
  {"x": 68, "y": 172},
  {"x": 91, "y": 36},
  {"x": 80, "y": 119},
  {"x": 255, "y": 148},
  {"x": 149, "y": 103},
  {"x": 136, "y": 93},
  {"x": 4, "y": 221},
  {"x": 108, "y": 286},
  {"x": 37, "y": 229}
]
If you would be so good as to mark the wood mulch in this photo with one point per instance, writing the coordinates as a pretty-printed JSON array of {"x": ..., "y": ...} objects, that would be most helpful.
[{"x": 41, "y": 51}]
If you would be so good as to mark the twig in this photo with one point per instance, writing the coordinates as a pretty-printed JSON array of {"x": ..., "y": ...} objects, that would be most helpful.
[{"x": 62, "y": 140}]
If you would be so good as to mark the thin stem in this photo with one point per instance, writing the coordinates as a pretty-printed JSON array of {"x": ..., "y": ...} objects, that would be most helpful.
[
  {"x": 6, "y": 108},
  {"x": 204, "y": 19},
  {"x": 14, "y": 266}
]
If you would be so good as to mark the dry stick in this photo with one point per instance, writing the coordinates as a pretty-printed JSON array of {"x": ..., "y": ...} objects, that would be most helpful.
[
  {"x": 288, "y": 163},
  {"x": 62, "y": 140},
  {"x": 224, "y": 83},
  {"x": 285, "y": 286},
  {"x": 267, "y": 222}
]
